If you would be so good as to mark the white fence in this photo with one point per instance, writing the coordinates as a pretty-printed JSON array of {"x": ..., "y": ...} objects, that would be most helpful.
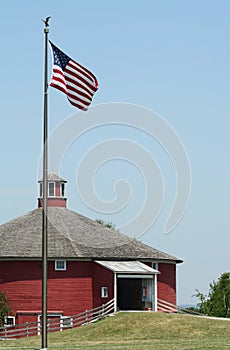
[
  {"x": 81, "y": 319},
  {"x": 164, "y": 306}
]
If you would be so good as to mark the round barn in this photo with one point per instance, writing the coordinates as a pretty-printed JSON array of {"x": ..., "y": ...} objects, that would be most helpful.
[{"x": 88, "y": 264}]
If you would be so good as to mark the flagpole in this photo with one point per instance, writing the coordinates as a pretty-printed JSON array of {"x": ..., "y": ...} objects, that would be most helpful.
[{"x": 45, "y": 190}]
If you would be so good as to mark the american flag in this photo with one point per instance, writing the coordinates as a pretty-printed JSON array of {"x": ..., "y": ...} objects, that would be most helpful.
[{"x": 77, "y": 82}]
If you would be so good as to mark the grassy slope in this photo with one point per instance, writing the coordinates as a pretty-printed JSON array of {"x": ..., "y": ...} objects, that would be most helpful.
[{"x": 139, "y": 331}]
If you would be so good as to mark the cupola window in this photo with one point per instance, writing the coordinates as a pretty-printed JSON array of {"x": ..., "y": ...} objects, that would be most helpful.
[
  {"x": 62, "y": 189},
  {"x": 55, "y": 192},
  {"x": 41, "y": 189},
  {"x": 51, "y": 189}
]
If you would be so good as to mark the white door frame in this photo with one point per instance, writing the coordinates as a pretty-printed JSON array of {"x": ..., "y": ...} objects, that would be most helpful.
[
  {"x": 154, "y": 285},
  {"x": 48, "y": 315}
]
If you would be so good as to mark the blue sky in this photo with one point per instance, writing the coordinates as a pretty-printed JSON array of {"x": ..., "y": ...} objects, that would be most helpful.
[{"x": 171, "y": 57}]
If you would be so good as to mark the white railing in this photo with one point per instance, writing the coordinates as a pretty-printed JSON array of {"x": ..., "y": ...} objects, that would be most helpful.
[
  {"x": 165, "y": 306},
  {"x": 81, "y": 319}
]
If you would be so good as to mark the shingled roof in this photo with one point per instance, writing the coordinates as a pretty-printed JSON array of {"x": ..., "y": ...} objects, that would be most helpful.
[
  {"x": 71, "y": 236},
  {"x": 53, "y": 177}
]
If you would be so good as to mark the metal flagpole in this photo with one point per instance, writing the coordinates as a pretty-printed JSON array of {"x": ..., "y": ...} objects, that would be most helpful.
[{"x": 45, "y": 188}]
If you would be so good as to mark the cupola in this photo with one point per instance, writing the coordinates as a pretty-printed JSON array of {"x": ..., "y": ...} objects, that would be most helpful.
[{"x": 56, "y": 191}]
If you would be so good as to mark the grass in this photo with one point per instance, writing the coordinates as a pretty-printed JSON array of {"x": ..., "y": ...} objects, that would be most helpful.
[{"x": 138, "y": 331}]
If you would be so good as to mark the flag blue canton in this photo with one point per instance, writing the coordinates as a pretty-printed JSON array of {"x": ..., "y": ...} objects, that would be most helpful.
[{"x": 60, "y": 58}]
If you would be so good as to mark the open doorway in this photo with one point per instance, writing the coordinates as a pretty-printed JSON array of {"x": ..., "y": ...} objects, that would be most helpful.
[
  {"x": 135, "y": 293},
  {"x": 129, "y": 294}
]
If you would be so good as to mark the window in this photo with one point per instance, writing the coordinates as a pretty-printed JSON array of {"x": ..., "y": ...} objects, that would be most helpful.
[
  {"x": 62, "y": 189},
  {"x": 40, "y": 190},
  {"x": 147, "y": 289},
  {"x": 155, "y": 265},
  {"x": 66, "y": 322},
  {"x": 60, "y": 265},
  {"x": 104, "y": 292},
  {"x": 51, "y": 189},
  {"x": 9, "y": 321}
]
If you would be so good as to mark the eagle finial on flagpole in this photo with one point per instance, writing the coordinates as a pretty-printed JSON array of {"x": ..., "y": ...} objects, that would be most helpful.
[{"x": 46, "y": 21}]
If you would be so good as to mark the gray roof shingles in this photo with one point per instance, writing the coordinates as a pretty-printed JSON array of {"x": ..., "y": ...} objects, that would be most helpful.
[
  {"x": 53, "y": 177},
  {"x": 70, "y": 236}
]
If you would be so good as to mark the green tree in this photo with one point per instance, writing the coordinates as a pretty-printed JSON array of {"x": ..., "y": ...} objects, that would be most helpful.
[
  {"x": 217, "y": 302},
  {"x": 106, "y": 224},
  {"x": 5, "y": 308}
]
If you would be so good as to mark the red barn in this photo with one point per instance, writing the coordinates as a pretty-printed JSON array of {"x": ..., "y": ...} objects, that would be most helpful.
[{"x": 88, "y": 264}]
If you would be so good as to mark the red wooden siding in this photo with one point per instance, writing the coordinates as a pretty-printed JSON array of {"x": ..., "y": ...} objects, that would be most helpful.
[
  {"x": 54, "y": 202},
  {"x": 71, "y": 291},
  {"x": 57, "y": 189},
  {"x": 57, "y": 200},
  {"x": 21, "y": 282},
  {"x": 68, "y": 291},
  {"x": 166, "y": 282},
  {"x": 102, "y": 278},
  {"x": 22, "y": 318}
]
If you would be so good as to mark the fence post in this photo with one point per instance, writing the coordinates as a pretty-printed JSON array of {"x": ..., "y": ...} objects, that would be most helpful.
[
  {"x": 5, "y": 331},
  {"x": 86, "y": 316},
  {"x": 27, "y": 329}
]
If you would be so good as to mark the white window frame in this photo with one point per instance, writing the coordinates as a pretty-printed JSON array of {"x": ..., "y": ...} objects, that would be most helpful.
[
  {"x": 64, "y": 268},
  {"x": 48, "y": 322},
  {"x": 49, "y": 183},
  {"x": 11, "y": 318},
  {"x": 70, "y": 323},
  {"x": 104, "y": 292}
]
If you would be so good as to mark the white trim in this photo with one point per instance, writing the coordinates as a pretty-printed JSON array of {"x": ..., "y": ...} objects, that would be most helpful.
[
  {"x": 151, "y": 278},
  {"x": 155, "y": 263},
  {"x": 70, "y": 324},
  {"x": 104, "y": 292},
  {"x": 134, "y": 276},
  {"x": 115, "y": 292},
  {"x": 155, "y": 292},
  {"x": 49, "y": 183},
  {"x": 127, "y": 267},
  {"x": 154, "y": 301},
  {"x": 60, "y": 269},
  {"x": 48, "y": 315}
]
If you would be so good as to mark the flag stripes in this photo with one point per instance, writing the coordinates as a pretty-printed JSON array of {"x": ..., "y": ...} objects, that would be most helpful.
[{"x": 76, "y": 81}]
